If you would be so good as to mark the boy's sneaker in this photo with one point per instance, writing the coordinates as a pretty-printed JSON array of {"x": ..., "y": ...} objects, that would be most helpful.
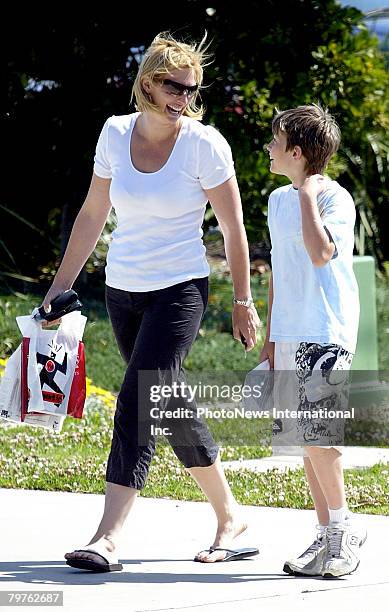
[
  {"x": 343, "y": 541},
  {"x": 310, "y": 563}
]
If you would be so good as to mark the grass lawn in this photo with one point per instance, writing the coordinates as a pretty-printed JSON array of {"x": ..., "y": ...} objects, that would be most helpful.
[{"x": 75, "y": 460}]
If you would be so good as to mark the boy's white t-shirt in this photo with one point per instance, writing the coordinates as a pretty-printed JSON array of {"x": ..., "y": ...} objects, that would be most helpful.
[
  {"x": 158, "y": 239},
  {"x": 313, "y": 304}
]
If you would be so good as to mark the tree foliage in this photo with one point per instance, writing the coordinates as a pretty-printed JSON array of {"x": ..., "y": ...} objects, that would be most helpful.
[
  {"x": 314, "y": 52},
  {"x": 67, "y": 72}
]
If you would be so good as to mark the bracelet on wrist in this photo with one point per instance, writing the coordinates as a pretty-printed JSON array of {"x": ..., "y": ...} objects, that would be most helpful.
[{"x": 247, "y": 302}]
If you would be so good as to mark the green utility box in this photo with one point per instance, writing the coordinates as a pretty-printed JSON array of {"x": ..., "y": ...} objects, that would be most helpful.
[
  {"x": 369, "y": 390},
  {"x": 366, "y": 356}
]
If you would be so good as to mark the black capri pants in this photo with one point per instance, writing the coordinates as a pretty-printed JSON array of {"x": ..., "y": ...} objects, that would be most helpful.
[{"x": 154, "y": 331}]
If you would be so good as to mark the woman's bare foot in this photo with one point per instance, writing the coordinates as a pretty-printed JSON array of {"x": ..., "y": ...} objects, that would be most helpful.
[
  {"x": 227, "y": 531},
  {"x": 102, "y": 545}
]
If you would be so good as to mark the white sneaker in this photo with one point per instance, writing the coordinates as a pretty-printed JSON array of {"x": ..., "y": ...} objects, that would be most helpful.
[
  {"x": 310, "y": 563},
  {"x": 343, "y": 541}
]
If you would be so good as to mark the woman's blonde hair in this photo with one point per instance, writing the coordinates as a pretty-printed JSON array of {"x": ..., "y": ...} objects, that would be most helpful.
[{"x": 164, "y": 55}]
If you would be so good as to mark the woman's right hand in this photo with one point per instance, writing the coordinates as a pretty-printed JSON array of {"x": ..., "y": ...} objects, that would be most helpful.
[
  {"x": 52, "y": 293},
  {"x": 267, "y": 352}
]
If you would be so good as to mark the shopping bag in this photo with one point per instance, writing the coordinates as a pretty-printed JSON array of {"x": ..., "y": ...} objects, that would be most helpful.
[
  {"x": 78, "y": 389},
  {"x": 259, "y": 389},
  {"x": 10, "y": 398},
  {"x": 52, "y": 367},
  {"x": 10, "y": 388}
]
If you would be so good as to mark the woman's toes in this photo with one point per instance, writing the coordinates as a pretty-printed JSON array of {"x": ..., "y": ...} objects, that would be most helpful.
[
  {"x": 77, "y": 555},
  {"x": 210, "y": 556},
  {"x": 217, "y": 555},
  {"x": 202, "y": 555}
]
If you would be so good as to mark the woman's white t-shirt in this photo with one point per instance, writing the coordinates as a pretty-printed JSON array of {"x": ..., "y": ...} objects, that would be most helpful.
[
  {"x": 158, "y": 239},
  {"x": 310, "y": 303}
]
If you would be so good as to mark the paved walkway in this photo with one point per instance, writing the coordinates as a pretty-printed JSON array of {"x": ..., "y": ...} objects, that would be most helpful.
[
  {"x": 353, "y": 457},
  {"x": 158, "y": 544}
]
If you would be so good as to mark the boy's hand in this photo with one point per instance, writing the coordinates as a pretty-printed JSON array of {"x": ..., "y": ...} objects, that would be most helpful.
[
  {"x": 313, "y": 185},
  {"x": 267, "y": 352},
  {"x": 245, "y": 322}
]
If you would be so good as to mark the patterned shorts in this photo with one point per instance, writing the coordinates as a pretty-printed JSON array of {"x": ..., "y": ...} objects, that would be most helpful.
[{"x": 310, "y": 386}]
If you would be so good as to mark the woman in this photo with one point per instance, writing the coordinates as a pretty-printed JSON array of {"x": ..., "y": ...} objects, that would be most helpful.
[{"x": 158, "y": 167}]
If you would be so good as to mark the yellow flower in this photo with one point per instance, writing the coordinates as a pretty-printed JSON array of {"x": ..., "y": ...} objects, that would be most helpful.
[
  {"x": 108, "y": 398},
  {"x": 2, "y": 366}
]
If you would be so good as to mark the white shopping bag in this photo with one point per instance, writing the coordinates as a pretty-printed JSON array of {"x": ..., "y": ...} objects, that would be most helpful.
[
  {"x": 52, "y": 359},
  {"x": 260, "y": 383},
  {"x": 10, "y": 388},
  {"x": 285, "y": 438},
  {"x": 10, "y": 398},
  {"x": 48, "y": 421}
]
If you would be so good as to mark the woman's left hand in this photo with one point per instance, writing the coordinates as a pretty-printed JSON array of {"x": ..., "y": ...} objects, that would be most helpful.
[{"x": 245, "y": 322}]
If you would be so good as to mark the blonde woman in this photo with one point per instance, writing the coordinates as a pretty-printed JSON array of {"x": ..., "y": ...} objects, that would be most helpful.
[{"x": 158, "y": 167}]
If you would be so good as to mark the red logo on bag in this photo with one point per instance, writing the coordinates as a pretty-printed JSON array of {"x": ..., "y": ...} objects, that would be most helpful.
[
  {"x": 50, "y": 365},
  {"x": 53, "y": 398},
  {"x": 77, "y": 395}
]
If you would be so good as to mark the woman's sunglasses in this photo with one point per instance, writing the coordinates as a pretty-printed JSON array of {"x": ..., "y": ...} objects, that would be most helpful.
[{"x": 178, "y": 89}]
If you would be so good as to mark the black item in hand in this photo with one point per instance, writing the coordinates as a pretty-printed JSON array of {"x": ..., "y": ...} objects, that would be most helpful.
[{"x": 61, "y": 305}]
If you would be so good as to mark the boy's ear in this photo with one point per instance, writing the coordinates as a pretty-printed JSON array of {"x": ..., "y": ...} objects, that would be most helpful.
[{"x": 297, "y": 152}]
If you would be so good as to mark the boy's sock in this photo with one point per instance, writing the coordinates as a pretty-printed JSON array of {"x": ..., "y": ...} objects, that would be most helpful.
[
  {"x": 339, "y": 515},
  {"x": 321, "y": 529}
]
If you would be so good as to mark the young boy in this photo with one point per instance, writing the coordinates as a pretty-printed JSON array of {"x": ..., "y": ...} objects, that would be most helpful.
[{"x": 313, "y": 321}]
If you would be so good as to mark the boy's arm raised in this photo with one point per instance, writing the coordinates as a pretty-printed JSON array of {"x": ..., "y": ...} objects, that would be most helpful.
[{"x": 317, "y": 242}]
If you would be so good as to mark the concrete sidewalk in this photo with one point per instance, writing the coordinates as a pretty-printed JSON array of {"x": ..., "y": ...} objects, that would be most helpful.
[
  {"x": 353, "y": 457},
  {"x": 159, "y": 541}
]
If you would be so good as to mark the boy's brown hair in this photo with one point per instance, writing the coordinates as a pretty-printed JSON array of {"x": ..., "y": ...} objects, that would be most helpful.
[{"x": 313, "y": 129}]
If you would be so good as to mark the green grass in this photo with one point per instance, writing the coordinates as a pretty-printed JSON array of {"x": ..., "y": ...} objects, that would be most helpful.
[{"x": 75, "y": 460}]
